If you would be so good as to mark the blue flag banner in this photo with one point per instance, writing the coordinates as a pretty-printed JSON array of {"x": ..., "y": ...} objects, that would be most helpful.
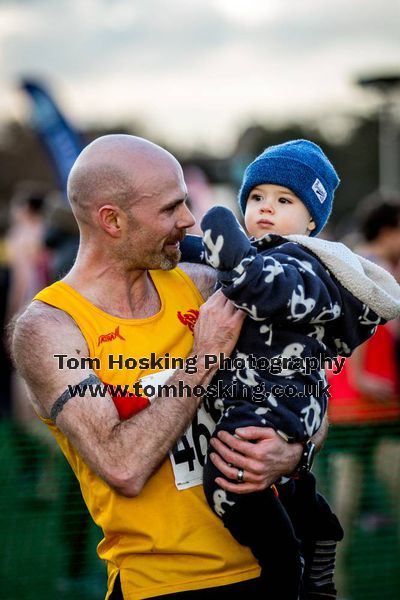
[{"x": 61, "y": 140}]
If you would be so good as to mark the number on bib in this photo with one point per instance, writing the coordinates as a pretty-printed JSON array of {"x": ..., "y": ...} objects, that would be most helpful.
[{"x": 188, "y": 456}]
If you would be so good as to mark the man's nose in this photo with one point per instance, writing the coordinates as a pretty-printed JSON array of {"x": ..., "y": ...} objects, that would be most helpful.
[{"x": 186, "y": 219}]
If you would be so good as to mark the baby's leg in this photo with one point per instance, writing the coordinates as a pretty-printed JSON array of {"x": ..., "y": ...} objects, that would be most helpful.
[
  {"x": 258, "y": 520},
  {"x": 318, "y": 529}
]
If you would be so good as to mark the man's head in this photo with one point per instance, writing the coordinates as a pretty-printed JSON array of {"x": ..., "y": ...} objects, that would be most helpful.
[
  {"x": 128, "y": 196},
  {"x": 298, "y": 169},
  {"x": 379, "y": 217},
  {"x": 28, "y": 202}
]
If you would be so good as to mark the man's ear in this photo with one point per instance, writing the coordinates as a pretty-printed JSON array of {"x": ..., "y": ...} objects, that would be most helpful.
[
  {"x": 312, "y": 225},
  {"x": 110, "y": 218}
]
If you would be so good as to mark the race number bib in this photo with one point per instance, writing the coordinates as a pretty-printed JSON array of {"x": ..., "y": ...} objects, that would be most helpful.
[
  {"x": 190, "y": 451},
  {"x": 188, "y": 456}
]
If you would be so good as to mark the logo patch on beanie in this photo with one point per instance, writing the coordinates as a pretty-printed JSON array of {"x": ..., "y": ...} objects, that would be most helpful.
[{"x": 319, "y": 191}]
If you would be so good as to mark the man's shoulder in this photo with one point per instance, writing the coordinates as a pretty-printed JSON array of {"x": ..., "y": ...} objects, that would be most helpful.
[
  {"x": 39, "y": 334},
  {"x": 39, "y": 313},
  {"x": 37, "y": 325},
  {"x": 203, "y": 276}
]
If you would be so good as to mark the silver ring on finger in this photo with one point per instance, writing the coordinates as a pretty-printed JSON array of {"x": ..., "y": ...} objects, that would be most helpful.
[{"x": 240, "y": 476}]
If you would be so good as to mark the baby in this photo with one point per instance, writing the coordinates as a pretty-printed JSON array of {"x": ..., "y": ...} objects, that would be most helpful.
[{"x": 308, "y": 300}]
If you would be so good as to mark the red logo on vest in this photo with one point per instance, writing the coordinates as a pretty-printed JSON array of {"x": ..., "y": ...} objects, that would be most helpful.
[
  {"x": 189, "y": 318},
  {"x": 109, "y": 337}
]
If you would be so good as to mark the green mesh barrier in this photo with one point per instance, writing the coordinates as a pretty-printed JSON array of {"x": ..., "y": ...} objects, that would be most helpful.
[
  {"x": 359, "y": 472},
  {"x": 48, "y": 549}
]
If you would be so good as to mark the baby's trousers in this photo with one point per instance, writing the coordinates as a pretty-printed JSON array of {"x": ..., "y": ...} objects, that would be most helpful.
[{"x": 293, "y": 536}]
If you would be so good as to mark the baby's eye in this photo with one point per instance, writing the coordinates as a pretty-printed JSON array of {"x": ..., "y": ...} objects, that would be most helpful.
[
  {"x": 256, "y": 197},
  {"x": 285, "y": 201}
]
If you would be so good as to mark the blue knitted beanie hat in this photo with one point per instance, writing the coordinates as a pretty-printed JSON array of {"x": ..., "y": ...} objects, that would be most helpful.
[{"x": 302, "y": 167}]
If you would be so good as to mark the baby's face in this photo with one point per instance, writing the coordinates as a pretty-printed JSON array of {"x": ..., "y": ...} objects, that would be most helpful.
[{"x": 275, "y": 209}]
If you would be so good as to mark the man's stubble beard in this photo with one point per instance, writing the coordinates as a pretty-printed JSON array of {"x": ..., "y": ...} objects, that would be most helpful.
[
  {"x": 152, "y": 261},
  {"x": 170, "y": 261},
  {"x": 167, "y": 262}
]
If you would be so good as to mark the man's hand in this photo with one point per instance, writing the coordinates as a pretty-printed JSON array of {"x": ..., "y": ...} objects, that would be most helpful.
[
  {"x": 217, "y": 328},
  {"x": 262, "y": 454}
]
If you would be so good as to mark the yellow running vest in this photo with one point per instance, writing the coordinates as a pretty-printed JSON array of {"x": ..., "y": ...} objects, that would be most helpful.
[{"x": 164, "y": 540}]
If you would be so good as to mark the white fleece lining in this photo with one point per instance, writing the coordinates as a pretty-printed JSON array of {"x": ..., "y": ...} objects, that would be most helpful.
[{"x": 368, "y": 282}]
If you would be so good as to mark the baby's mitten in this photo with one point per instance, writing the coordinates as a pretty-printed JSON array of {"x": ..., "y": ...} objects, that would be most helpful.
[
  {"x": 225, "y": 242},
  {"x": 192, "y": 250}
]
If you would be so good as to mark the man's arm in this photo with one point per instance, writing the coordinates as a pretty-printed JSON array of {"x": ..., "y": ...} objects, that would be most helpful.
[
  {"x": 123, "y": 453},
  {"x": 377, "y": 387}
]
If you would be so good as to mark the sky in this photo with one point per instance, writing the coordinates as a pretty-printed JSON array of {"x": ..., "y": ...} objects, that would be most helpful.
[{"x": 196, "y": 72}]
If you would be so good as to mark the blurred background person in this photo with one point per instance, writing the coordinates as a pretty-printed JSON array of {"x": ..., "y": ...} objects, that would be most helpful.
[
  {"x": 200, "y": 194},
  {"x": 28, "y": 264},
  {"x": 61, "y": 236},
  {"x": 5, "y": 363},
  {"x": 40, "y": 247},
  {"x": 363, "y": 446},
  {"x": 27, "y": 256}
]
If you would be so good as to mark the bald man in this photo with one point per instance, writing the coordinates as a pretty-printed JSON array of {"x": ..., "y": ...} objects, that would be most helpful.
[{"x": 123, "y": 305}]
